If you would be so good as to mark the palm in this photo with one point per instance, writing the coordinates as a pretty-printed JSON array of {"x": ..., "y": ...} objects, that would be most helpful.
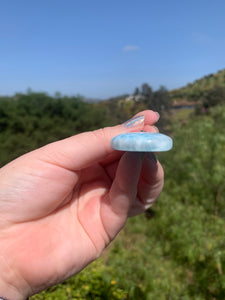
[{"x": 49, "y": 233}]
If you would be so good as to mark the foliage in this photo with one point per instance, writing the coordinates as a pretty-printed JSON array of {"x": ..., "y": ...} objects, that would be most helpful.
[
  {"x": 201, "y": 161},
  {"x": 121, "y": 108},
  {"x": 174, "y": 251},
  {"x": 89, "y": 284},
  {"x": 200, "y": 88},
  {"x": 158, "y": 100},
  {"x": 214, "y": 97},
  {"x": 30, "y": 121}
]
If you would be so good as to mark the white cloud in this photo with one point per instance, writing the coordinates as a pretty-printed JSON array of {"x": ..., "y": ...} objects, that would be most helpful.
[{"x": 131, "y": 48}]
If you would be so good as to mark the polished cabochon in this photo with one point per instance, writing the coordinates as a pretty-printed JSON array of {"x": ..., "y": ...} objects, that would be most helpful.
[{"x": 142, "y": 142}]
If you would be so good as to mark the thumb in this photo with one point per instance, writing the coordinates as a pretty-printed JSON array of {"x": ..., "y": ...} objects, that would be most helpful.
[{"x": 81, "y": 150}]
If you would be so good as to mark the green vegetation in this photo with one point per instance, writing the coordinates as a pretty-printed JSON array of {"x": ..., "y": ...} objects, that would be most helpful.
[
  {"x": 176, "y": 250},
  {"x": 200, "y": 88},
  {"x": 30, "y": 121}
]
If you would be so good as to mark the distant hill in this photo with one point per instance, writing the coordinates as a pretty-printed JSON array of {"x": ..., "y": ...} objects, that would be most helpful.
[{"x": 194, "y": 91}]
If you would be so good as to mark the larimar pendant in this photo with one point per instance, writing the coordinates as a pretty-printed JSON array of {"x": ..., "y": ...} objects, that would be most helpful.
[{"x": 142, "y": 142}]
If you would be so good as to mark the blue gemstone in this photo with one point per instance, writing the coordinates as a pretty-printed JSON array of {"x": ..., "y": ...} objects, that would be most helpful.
[{"x": 142, "y": 142}]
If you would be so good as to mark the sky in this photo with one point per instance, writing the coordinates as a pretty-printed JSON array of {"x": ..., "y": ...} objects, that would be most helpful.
[{"x": 101, "y": 49}]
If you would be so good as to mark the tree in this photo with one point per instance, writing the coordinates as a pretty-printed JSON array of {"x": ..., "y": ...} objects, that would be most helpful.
[
  {"x": 214, "y": 97},
  {"x": 136, "y": 92},
  {"x": 160, "y": 100},
  {"x": 146, "y": 90}
]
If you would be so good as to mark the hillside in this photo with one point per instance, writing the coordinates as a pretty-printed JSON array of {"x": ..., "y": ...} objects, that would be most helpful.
[
  {"x": 200, "y": 87},
  {"x": 205, "y": 92}
]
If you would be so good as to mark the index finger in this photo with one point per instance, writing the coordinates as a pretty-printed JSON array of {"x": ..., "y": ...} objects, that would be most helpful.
[{"x": 81, "y": 150}]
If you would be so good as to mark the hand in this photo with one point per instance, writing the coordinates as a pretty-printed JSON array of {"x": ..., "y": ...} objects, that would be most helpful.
[{"x": 62, "y": 204}]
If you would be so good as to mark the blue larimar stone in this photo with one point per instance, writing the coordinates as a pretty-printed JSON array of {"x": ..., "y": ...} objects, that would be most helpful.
[{"x": 142, "y": 142}]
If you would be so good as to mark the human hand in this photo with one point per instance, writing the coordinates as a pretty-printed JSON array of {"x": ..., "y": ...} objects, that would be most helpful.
[{"x": 62, "y": 204}]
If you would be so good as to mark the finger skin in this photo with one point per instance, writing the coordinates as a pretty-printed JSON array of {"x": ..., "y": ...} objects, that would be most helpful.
[
  {"x": 122, "y": 194},
  {"x": 150, "y": 185},
  {"x": 94, "y": 146},
  {"x": 62, "y": 159},
  {"x": 115, "y": 155}
]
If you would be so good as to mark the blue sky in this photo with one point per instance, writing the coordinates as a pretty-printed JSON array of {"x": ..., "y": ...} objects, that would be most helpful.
[{"x": 101, "y": 49}]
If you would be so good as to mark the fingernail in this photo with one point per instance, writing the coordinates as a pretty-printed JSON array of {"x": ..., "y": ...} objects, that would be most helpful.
[{"x": 135, "y": 121}]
